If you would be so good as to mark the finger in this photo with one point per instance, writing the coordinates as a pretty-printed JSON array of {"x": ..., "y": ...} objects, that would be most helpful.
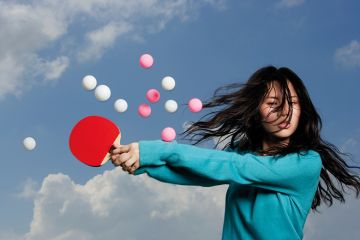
[
  {"x": 130, "y": 162},
  {"x": 121, "y": 149},
  {"x": 116, "y": 145},
  {"x": 115, "y": 162},
  {"x": 124, "y": 157},
  {"x": 129, "y": 169},
  {"x": 120, "y": 159},
  {"x": 126, "y": 169},
  {"x": 114, "y": 156},
  {"x": 134, "y": 167}
]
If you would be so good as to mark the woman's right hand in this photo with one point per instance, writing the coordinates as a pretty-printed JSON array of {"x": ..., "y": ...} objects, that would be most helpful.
[{"x": 126, "y": 156}]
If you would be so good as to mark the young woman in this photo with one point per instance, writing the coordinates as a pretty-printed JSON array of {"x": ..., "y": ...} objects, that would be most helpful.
[{"x": 273, "y": 162}]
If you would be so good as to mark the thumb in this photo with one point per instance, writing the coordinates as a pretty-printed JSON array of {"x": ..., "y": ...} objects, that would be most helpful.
[{"x": 120, "y": 149}]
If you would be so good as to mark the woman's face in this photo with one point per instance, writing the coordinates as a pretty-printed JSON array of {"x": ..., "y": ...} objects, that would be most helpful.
[{"x": 273, "y": 121}]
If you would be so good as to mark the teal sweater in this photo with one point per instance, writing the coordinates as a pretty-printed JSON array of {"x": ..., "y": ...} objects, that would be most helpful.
[{"x": 267, "y": 197}]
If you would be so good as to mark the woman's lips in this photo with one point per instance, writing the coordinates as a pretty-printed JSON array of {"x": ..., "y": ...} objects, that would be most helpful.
[{"x": 284, "y": 125}]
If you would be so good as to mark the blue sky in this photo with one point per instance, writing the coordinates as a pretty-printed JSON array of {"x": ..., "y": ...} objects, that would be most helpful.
[{"x": 47, "y": 47}]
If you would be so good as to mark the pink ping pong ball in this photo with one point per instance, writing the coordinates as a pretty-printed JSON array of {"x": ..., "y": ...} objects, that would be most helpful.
[
  {"x": 195, "y": 105},
  {"x": 168, "y": 134},
  {"x": 153, "y": 95},
  {"x": 144, "y": 110},
  {"x": 146, "y": 61}
]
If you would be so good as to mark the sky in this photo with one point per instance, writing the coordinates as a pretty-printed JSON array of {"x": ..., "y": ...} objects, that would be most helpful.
[{"x": 48, "y": 46}]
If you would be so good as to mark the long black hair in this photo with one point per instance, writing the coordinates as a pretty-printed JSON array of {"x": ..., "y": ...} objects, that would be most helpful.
[{"x": 239, "y": 119}]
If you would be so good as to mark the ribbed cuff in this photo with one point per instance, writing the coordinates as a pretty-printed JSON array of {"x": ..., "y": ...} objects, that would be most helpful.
[{"x": 153, "y": 151}]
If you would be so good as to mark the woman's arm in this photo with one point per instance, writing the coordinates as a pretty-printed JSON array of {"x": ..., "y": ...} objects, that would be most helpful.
[
  {"x": 290, "y": 174},
  {"x": 127, "y": 156},
  {"x": 177, "y": 175}
]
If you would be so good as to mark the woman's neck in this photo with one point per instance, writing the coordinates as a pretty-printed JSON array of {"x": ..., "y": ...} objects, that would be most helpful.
[{"x": 271, "y": 142}]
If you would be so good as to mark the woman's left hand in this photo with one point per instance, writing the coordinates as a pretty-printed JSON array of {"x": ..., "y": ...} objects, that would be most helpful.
[{"x": 126, "y": 156}]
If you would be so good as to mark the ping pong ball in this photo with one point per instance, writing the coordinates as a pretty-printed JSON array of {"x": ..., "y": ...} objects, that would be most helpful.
[
  {"x": 171, "y": 106},
  {"x": 168, "y": 83},
  {"x": 144, "y": 110},
  {"x": 29, "y": 143},
  {"x": 120, "y": 105},
  {"x": 102, "y": 93},
  {"x": 146, "y": 61},
  {"x": 89, "y": 82},
  {"x": 153, "y": 95},
  {"x": 195, "y": 105},
  {"x": 168, "y": 134}
]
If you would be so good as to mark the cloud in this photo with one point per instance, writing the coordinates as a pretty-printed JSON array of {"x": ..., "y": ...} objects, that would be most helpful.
[
  {"x": 25, "y": 29},
  {"x": 340, "y": 221},
  {"x": 115, "y": 205},
  {"x": 289, "y": 3},
  {"x": 9, "y": 236},
  {"x": 352, "y": 146},
  {"x": 349, "y": 55},
  {"x": 99, "y": 40},
  {"x": 29, "y": 189},
  {"x": 321, "y": 225},
  {"x": 52, "y": 70},
  {"x": 31, "y": 30}
]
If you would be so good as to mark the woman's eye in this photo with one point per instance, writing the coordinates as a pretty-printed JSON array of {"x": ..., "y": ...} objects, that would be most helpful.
[{"x": 274, "y": 103}]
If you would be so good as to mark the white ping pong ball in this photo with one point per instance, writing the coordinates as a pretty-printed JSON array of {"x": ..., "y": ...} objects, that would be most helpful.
[
  {"x": 120, "y": 105},
  {"x": 89, "y": 82},
  {"x": 171, "y": 106},
  {"x": 29, "y": 143},
  {"x": 102, "y": 92},
  {"x": 168, "y": 83}
]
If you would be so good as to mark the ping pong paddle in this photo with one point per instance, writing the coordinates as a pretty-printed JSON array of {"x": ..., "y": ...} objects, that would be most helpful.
[{"x": 92, "y": 138}]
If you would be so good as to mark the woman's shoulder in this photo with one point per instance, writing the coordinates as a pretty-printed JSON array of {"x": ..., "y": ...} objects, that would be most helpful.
[
  {"x": 302, "y": 154},
  {"x": 310, "y": 153},
  {"x": 307, "y": 153}
]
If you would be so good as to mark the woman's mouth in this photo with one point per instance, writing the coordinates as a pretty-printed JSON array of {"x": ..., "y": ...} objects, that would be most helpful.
[{"x": 284, "y": 125}]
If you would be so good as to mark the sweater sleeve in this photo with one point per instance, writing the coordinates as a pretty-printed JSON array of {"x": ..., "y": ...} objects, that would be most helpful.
[
  {"x": 291, "y": 174},
  {"x": 176, "y": 175}
]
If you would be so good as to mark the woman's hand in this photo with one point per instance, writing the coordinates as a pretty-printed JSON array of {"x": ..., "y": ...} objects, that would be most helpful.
[{"x": 126, "y": 156}]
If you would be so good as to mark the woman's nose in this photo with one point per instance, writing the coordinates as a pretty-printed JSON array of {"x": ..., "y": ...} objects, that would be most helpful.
[{"x": 285, "y": 111}]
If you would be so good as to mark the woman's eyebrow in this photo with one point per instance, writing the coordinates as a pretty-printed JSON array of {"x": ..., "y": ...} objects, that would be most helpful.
[{"x": 278, "y": 97}]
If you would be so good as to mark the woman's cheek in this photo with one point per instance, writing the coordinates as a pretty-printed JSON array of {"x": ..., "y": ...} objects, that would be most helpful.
[
  {"x": 269, "y": 116},
  {"x": 297, "y": 112}
]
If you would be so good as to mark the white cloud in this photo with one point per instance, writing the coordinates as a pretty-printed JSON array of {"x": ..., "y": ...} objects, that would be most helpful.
[
  {"x": 9, "y": 236},
  {"x": 340, "y": 221},
  {"x": 349, "y": 55},
  {"x": 28, "y": 30},
  {"x": 116, "y": 205},
  {"x": 290, "y": 3},
  {"x": 99, "y": 40},
  {"x": 321, "y": 225},
  {"x": 25, "y": 29},
  {"x": 52, "y": 70},
  {"x": 29, "y": 189},
  {"x": 350, "y": 144},
  {"x": 10, "y": 75}
]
